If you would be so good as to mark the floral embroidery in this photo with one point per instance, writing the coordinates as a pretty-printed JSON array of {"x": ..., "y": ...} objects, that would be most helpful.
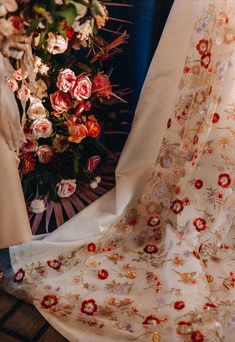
[{"x": 89, "y": 307}]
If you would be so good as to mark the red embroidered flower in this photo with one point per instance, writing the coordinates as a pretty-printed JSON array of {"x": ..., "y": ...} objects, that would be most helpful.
[
  {"x": 89, "y": 307},
  {"x": 187, "y": 69},
  {"x": 152, "y": 320},
  {"x": 103, "y": 274},
  {"x": 54, "y": 264},
  {"x": 91, "y": 247},
  {"x": 202, "y": 46},
  {"x": 133, "y": 222},
  {"x": 208, "y": 306},
  {"x": 216, "y": 118},
  {"x": 198, "y": 184},
  {"x": 177, "y": 206},
  {"x": 197, "y": 255},
  {"x": 179, "y": 305},
  {"x": 150, "y": 249},
  {"x": 197, "y": 336},
  {"x": 19, "y": 276},
  {"x": 224, "y": 180},
  {"x": 185, "y": 201},
  {"x": 154, "y": 221},
  {"x": 49, "y": 300},
  {"x": 200, "y": 224},
  {"x": 205, "y": 60}
]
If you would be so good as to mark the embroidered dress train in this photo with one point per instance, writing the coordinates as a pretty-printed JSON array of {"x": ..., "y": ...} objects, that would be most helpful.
[{"x": 153, "y": 260}]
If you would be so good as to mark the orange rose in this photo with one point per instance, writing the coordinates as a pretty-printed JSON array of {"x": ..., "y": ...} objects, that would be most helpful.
[
  {"x": 77, "y": 133},
  {"x": 93, "y": 128}
]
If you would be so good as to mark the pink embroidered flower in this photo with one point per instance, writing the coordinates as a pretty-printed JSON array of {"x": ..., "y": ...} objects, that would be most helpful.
[
  {"x": 44, "y": 153},
  {"x": 56, "y": 264},
  {"x": 151, "y": 320},
  {"x": 42, "y": 128},
  {"x": 19, "y": 276},
  {"x": 13, "y": 84},
  {"x": 60, "y": 102},
  {"x": 177, "y": 206},
  {"x": 31, "y": 143},
  {"x": 66, "y": 187},
  {"x": 66, "y": 80},
  {"x": 224, "y": 180},
  {"x": 200, "y": 224},
  {"x": 89, "y": 307},
  {"x": 49, "y": 300},
  {"x": 92, "y": 163},
  {"x": 82, "y": 88},
  {"x": 103, "y": 274},
  {"x": 179, "y": 305},
  {"x": 154, "y": 221},
  {"x": 150, "y": 249}
]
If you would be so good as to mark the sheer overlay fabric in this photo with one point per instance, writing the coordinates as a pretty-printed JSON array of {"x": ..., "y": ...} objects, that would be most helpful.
[{"x": 153, "y": 260}]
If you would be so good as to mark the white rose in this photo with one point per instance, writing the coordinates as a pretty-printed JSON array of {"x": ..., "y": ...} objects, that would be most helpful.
[
  {"x": 42, "y": 128},
  {"x": 83, "y": 31},
  {"x": 66, "y": 187},
  {"x": 36, "y": 109},
  {"x": 37, "y": 206},
  {"x": 56, "y": 44},
  {"x": 98, "y": 179}
]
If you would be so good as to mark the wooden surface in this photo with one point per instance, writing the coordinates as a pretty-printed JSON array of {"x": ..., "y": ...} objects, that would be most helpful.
[{"x": 22, "y": 322}]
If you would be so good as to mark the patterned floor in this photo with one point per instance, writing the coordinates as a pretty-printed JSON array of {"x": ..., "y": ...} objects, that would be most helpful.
[{"x": 22, "y": 322}]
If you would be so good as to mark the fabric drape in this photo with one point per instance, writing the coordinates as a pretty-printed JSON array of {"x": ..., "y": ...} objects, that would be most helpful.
[{"x": 152, "y": 260}]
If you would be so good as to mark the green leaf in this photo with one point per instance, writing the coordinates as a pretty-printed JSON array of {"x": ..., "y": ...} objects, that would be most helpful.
[
  {"x": 76, "y": 165},
  {"x": 69, "y": 13}
]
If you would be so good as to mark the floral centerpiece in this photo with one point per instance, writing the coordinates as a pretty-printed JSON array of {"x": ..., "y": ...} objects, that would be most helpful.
[{"x": 64, "y": 98}]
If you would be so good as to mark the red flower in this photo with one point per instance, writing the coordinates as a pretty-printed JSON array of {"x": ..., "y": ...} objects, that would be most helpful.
[
  {"x": 200, "y": 224},
  {"x": 19, "y": 276},
  {"x": 184, "y": 328},
  {"x": 152, "y": 320},
  {"x": 224, "y": 180},
  {"x": 92, "y": 163},
  {"x": 54, "y": 264},
  {"x": 103, "y": 274},
  {"x": 150, "y": 249},
  {"x": 208, "y": 306},
  {"x": 205, "y": 60},
  {"x": 69, "y": 32},
  {"x": 197, "y": 255},
  {"x": 133, "y": 222},
  {"x": 177, "y": 206},
  {"x": 89, "y": 307},
  {"x": 198, "y": 184},
  {"x": 17, "y": 23},
  {"x": 186, "y": 69},
  {"x": 91, "y": 247},
  {"x": 154, "y": 221},
  {"x": 185, "y": 201},
  {"x": 102, "y": 86},
  {"x": 60, "y": 101},
  {"x": 49, "y": 300},
  {"x": 202, "y": 46},
  {"x": 216, "y": 118},
  {"x": 197, "y": 336},
  {"x": 179, "y": 305},
  {"x": 82, "y": 88}
]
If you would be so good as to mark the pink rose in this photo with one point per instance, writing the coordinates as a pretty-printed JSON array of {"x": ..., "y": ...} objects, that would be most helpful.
[
  {"x": 24, "y": 94},
  {"x": 31, "y": 143},
  {"x": 13, "y": 85},
  {"x": 60, "y": 101},
  {"x": 102, "y": 86},
  {"x": 82, "y": 88},
  {"x": 18, "y": 75},
  {"x": 66, "y": 80},
  {"x": 92, "y": 163},
  {"x": 66, "y": 187},
  {"x": 42, "y": 128},
  {"x": 44, "y": 153}
]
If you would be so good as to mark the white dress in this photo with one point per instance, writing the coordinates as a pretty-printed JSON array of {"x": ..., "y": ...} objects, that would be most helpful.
[{"x": 153, "y": 260}]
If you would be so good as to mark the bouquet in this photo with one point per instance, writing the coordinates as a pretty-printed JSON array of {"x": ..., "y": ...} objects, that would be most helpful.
[{"x": 64, "y": 95}]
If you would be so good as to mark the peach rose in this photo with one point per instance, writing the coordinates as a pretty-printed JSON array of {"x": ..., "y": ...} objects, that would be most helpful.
[
  {"x": 93, "y": 128},
  {"x": 44, "y": 153},
  {"x": 66, "y": 187},
  {"x": 60, "y": 101},
  {"x": 31, "y": 143},
  {"x": 82, "y": 88},
  {"x": 24, "y": 94},
  {"x": 56, "y": 44},
  {"x": 77, "y": 133},
  {"x": 42, "y": 128},
  {"x": 66, "y": 80}
]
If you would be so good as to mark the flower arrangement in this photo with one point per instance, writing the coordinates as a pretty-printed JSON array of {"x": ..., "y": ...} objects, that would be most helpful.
[{"x": 64, "y": 98}]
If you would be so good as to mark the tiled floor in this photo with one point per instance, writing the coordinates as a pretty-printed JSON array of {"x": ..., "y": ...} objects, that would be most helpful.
[{"x": 22, "y": 322}]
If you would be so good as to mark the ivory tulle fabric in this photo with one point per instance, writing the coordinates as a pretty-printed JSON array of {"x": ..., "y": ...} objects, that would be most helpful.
[{"x": 153, "y": 260}]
